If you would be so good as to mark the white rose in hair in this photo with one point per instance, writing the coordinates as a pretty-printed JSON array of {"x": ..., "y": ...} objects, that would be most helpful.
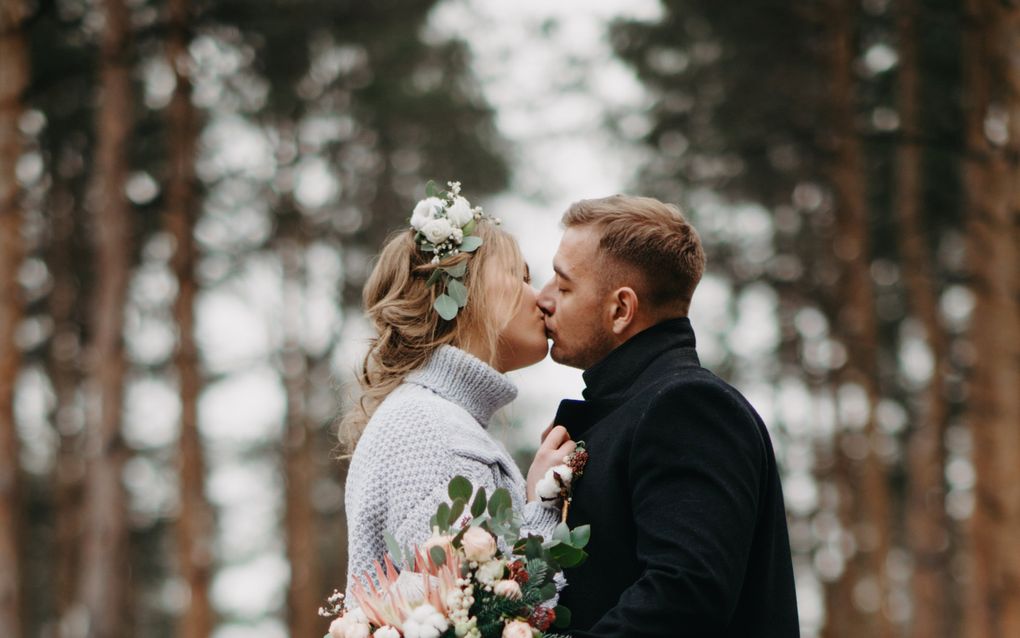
[
  {"x": 425, "y": 210},
  {"x": 459, "y": 213},
  {"x": 386, "y": 632},
  {"x": 437, "y": 230}
]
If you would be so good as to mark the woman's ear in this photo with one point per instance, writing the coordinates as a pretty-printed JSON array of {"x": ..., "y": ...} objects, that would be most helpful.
[{"x": 623, "y": 307}]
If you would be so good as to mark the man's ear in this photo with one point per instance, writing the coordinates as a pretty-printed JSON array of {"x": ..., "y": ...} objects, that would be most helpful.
[{"x": 623, "y": 307}]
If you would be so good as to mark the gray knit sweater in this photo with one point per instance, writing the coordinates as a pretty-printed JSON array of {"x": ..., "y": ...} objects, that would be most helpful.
[{"x": 429, "y": 429}]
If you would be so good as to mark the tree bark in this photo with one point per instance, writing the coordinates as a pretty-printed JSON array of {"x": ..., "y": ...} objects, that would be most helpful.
[
  {"x": 303, "y": 596},
  {"x": 103, "y": 585},
  {"x": 856, "y": 323},
  {"x": 992, "y": 94},
  {"x": 13, "y": 80},
  {"x": 65, "y": 376},
  {"x": 195, "y": 520},
  {"x": 927, "y": 522}
]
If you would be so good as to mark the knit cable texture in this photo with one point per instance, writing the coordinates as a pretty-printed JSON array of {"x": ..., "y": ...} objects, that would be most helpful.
[{"x": 428, "y": 430}]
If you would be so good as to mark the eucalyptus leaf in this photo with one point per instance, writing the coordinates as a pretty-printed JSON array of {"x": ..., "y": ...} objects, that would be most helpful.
[
  {"x": 456, "y": 511},
  {"x": 446, "y": 307},
  {"x": 432, "y": 189},
  {"x": 457, "y": 270},
  {"x": 562, "y": 533},
  {"x": 434, "y": 277},
  {"x": 442, "y": 516},
  {"x": 579, "y": 537},
  {"x": 568, "y": 556},
  {"x": 470, "y": 244},
  {"x": 478, "y": 506},
  {"x": 457, "y": 292},
  {"x": 499, "y": 501},
  {"x": 438, "y": 555},
  {"x": 562, "y": 617},
  {"x": 393, "y": 547},
  {"x": 469, "y": 228},
  {"x": 460, "y": 488}
]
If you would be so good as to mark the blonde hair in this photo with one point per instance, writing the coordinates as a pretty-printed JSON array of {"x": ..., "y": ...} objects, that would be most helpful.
[
  {"x": 651, "y": 237},
  {"x": 399, "y": 304}
]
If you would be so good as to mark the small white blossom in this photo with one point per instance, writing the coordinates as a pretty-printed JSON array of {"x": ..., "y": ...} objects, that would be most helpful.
[{"x": 386, "y": 632}]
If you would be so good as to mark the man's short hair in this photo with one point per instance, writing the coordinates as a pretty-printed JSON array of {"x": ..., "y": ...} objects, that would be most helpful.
[{"x": 651, "y": 237}]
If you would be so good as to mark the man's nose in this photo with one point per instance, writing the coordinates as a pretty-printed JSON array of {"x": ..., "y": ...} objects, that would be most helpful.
[{"x": 545, "y": 299}]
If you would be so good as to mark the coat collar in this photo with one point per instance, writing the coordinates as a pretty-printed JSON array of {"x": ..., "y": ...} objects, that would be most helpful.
[{"x": 611, "y": 379}]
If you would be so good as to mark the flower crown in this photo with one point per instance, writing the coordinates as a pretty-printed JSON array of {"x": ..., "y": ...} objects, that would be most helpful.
[{"x": 444, "y": 224}]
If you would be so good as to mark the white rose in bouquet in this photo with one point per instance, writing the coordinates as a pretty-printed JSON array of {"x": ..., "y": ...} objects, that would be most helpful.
[
  {"x": 478, "y": 544},
  {"x": 437, "y": 230},
  {"x": 491, "y": 572},
  {"x": 425, "y": 210},
  {"x": 459, "y": 213}
]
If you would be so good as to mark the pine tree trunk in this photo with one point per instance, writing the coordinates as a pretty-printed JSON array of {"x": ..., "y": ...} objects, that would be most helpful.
[
  {"x": 303, "y": 596},
  {"x": 927, "y": 523},
  {"x": 13, "y": 80},
  {"x": 104, "y": 581},
  {"x": 65, "y": 377},
  {"x": 992, "y": 94},
  {"x": 855, "y": 321},
  {"x": 195, "y": 521}
]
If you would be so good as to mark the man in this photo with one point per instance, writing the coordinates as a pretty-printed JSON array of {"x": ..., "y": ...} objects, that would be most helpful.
[{"x": 681, "y": 490}]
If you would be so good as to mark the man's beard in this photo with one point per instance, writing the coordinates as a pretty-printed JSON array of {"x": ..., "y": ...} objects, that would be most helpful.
[{"x": 592, "y": 349}]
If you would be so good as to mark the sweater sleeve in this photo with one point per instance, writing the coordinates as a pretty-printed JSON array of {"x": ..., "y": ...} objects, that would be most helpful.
[
  {"x": 413, "y": 528},
  {"x": 695, "y": 472}
]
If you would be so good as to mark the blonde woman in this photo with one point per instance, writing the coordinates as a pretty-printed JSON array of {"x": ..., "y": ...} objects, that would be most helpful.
[{"x": 452, "y": 304}]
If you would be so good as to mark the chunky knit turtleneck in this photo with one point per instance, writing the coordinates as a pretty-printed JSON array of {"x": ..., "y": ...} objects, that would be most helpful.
[
  {"x": 428, "y": 430},
  {"x": 462, "y": 378}
]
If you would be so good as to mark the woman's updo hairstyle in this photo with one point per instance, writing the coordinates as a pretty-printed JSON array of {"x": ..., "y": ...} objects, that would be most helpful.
[{"x": 398, "y": 302}]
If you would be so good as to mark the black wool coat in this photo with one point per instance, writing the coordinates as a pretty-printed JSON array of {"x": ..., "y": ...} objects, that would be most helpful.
[{"x": 688, "y": 529}]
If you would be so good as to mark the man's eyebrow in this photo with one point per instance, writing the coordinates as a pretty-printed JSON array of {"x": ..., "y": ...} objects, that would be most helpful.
[{"x": 559, "y": 272}]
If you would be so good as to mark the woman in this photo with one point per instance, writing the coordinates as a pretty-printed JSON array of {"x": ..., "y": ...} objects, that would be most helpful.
[{"x": 451, "y": 301}]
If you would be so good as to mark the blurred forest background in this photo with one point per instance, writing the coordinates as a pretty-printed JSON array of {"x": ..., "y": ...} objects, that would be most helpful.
[{"x": 191, "y": 192}]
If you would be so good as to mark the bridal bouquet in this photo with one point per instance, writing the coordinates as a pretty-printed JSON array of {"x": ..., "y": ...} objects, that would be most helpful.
[{"x": 460, "y": 582}]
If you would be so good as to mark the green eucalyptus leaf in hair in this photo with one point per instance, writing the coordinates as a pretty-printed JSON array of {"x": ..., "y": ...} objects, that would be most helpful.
[
  {"x": 432, "y": 189},
  {"x": 470, "y": 244},
  {"x": 434, "y": 277},
  {"x": 469, "y": 228},
  {"x": 457, "y": 292},
  {"x": 446, "y": 307},
  {"x": 458, "y": 270}
]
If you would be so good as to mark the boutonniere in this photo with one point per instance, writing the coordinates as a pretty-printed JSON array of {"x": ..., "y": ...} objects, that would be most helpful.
[{"x": 555, "y": 488}]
